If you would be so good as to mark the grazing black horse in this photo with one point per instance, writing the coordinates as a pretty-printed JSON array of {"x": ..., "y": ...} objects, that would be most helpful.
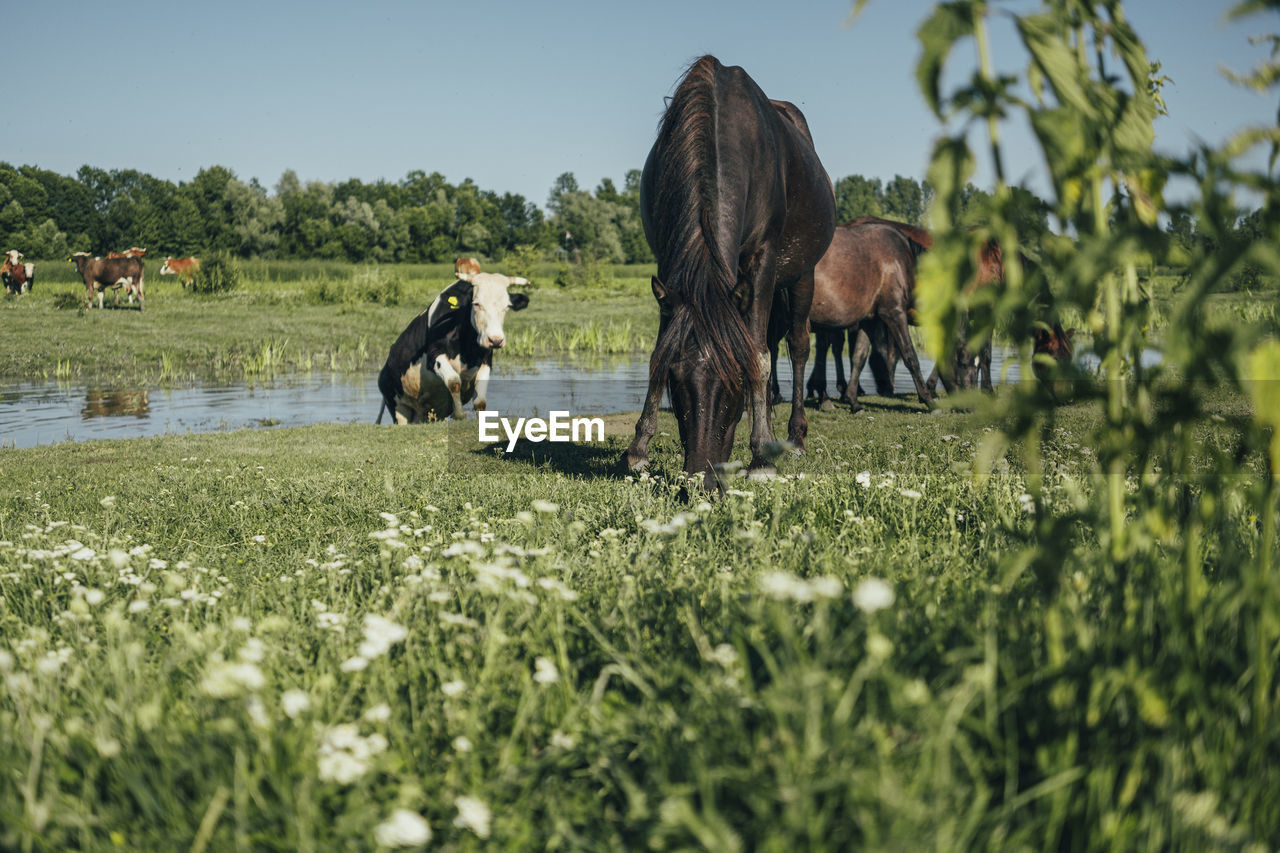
[{"x": 737, "y": 209}]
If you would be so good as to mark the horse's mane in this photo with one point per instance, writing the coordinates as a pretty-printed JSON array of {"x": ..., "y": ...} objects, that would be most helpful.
[{"x": 700, "y": 278}]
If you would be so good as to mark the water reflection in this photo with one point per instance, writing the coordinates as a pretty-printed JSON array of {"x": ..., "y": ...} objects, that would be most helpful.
[
  {"x": 32, "y": 414},
  {"x": 102, "y": 404}
]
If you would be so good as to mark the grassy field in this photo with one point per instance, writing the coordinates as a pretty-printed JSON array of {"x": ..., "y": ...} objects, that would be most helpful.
[
  {"x": 290, "y": 317},
  {"x": 301, "y": 316},
  {"x": 278, "y": 640}
]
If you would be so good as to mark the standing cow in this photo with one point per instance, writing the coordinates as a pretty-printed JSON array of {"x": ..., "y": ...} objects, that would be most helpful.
[
  {"x": 184, "y": 268},
  {"x": 17, "y": 276},
  {"x": 444, "y": 357},
  {"x": 101, "y": 273}
]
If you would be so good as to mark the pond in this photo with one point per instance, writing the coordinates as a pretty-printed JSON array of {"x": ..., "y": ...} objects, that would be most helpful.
[{"x": 38, "y": 414}]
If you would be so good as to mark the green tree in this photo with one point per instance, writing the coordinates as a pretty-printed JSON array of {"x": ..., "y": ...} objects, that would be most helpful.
[{"x": 858, "y": 196}]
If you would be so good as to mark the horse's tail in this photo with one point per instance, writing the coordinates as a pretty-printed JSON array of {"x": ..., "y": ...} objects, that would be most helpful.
[
  {"x": 701, "y": 279},
  {"x": 382, "y": 407},
  {"x": 920, "y": 239}
]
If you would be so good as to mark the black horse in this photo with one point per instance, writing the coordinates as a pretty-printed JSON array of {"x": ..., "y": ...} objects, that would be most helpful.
[{"x": 737, "y": 209}]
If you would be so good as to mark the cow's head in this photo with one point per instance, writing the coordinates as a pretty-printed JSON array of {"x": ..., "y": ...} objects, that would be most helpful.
[
  {"x": 165, "y": 269},
  {"x": 13, "y": 256},
  {"x": 490, "y": 301}
]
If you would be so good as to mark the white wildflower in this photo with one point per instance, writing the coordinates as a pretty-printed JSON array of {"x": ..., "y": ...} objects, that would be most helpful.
[
  {"x": 864, "y": 479},
  {"x": 379, "y": 713},
  {"x": 453, "y": 688},
  {"x": 872, "y": 594},
  {"x": 560, "y": 740},
  {"x": 545, "y": 507},
  {"x": 462, "y": 743},
  {"x": 94, "y": 597},
  {"x": 390, "y": 518},
  {"x": 108, "y": 502},
  {"x": 474, "y": 815},
  {"x": 403, "y": 829},
  {"x": 380, "y": 634},
  {"x": 783, "y": 586},
  {"x": 545, "y": 671},
  {"x": 139, "y": 605},
  {"x": 910, "y": 494},
  {"x": 354, "y": 664},
  {"x": 294, "y": 702},
  {"x": 224, "y": 679}
]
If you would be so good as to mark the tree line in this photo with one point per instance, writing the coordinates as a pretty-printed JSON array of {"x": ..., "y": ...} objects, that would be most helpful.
[{"x": 420, "y": 218}]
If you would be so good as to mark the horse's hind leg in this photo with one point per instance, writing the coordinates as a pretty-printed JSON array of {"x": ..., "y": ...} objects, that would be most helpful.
[{"x": 817, "y": 384}]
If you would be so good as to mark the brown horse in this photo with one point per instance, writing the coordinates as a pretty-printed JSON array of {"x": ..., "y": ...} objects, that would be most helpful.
[
  {"x": 883, "y": 354},
  {"x": 737, "y": 209},
  {"x": 865, "y": 283},
  {"x": 971, "y": 368}
]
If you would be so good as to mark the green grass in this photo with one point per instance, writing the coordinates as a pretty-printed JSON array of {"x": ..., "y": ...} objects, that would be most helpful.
[
  {"x": 291, "y": 317},
  {"x": 598, "y": 664}
]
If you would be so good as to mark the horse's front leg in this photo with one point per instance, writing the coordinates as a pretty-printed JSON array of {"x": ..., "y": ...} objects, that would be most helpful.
[
  {"x": 636, "y": 457},
  {"x": 798, "y": 344}
]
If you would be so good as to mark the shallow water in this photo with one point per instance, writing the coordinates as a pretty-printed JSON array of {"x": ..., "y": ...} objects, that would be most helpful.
[{"x": 38, "y": 414}]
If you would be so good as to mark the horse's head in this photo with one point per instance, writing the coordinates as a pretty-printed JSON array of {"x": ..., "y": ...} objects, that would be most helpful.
[{"x": 707, "y": 396}]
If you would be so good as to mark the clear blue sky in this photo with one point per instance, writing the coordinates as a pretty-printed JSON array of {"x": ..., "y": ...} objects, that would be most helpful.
[{"x": 512, "y": 93}]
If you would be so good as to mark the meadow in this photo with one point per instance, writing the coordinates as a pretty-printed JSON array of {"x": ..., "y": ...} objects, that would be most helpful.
[
  {"x": 353, "y": 638},
  {"x": 294, "y": 316},
  {"x": 301, "y": 316}
]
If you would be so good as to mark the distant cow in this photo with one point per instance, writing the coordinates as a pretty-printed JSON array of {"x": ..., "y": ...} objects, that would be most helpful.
[
  {"x": 101, "y": 273},
  {"x": 184, "y": 268},
  {"x": 466, "y": 268},
  {"x": 444, "y": 357},
  {"x": 17, "y": 276},
  {"x": 134, "y": 252}
]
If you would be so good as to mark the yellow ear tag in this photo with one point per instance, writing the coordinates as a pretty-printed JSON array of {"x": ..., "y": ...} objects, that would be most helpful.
[{"x": 453, "y": 302}]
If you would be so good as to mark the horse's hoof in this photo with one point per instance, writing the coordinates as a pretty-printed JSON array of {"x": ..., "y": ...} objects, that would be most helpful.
[
  {"x": 826, "y": 406},
  {"x": 633, "y": 465}
]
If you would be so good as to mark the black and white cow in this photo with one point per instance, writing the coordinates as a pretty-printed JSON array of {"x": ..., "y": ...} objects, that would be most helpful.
[{"x": 443, "y": 359}]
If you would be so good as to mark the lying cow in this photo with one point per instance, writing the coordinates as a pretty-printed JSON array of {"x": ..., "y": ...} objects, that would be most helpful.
[
  {"x": 184, "y": 268},
  {"x": 444, "y": 357},
  {"x": 134, "y": 252},
  {"x": 101, "y": 273},
  {"x": 17, "y": 276}
]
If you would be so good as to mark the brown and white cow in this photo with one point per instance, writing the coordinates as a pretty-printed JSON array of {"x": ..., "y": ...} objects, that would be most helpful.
[
  {"x": 443, "y": 358},
  {"x": 466, "y": 268},
  {"x": 101, "y": 273},
  {"x": 17, "y": 276},
  {"x": 184, "y": 268},
  {"x": 134, "y": 252}
]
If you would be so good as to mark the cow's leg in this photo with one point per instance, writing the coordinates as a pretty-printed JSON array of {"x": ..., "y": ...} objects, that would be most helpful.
[
  {"x": 482, "y": 389},
  {"x": 452, "y": 381},
  {"x": 102, "y": 296},
  {"x": 142, "y": 292}
]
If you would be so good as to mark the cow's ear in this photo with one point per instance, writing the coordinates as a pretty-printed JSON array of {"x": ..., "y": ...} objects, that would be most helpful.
[{"x": 519, "y": 301}]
